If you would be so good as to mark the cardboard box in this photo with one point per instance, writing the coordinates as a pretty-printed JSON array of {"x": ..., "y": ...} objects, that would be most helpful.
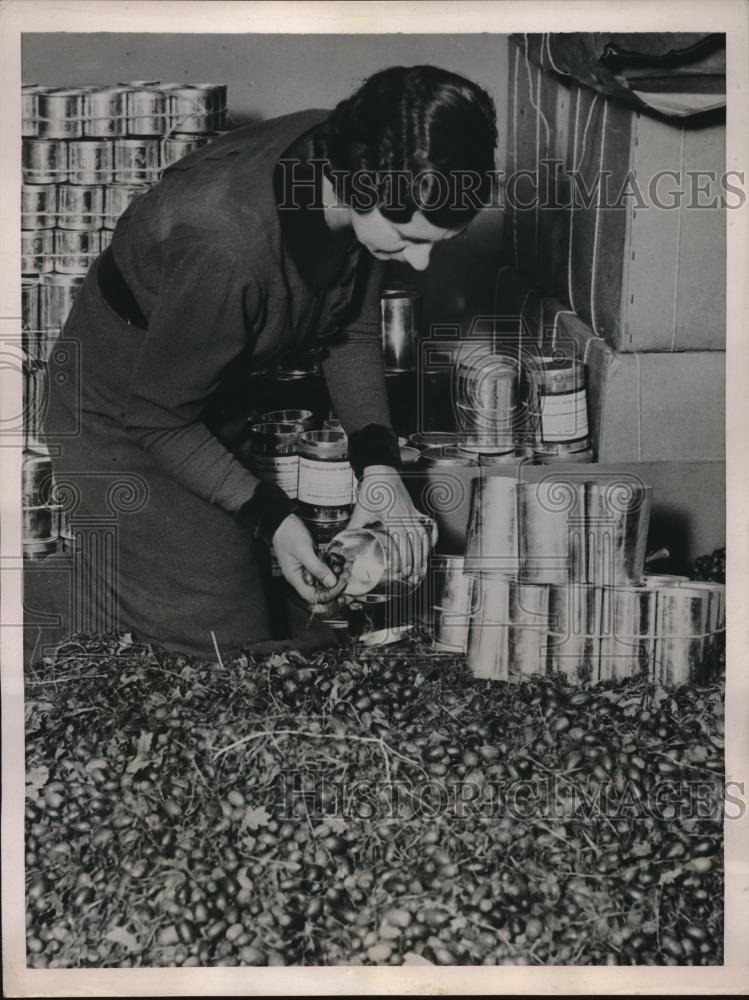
[
  {"x": 688, "y": 514},
  {"x": 600, "y": 236},
  {"x": 642, "y": 407}
]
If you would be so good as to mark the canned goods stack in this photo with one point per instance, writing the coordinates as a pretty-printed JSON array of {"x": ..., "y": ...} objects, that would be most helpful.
[
  {"x": 44, "y": 520},
  {"x": 552, "y": 581},
  {"x": 87, "y": 152}
]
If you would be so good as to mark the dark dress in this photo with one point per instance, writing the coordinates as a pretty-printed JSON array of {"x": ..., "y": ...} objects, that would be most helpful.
[{"x": 206, "y": 280}]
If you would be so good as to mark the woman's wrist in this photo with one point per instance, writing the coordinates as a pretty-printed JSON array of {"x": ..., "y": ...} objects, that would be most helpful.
[{"x": 373, "y": 446}]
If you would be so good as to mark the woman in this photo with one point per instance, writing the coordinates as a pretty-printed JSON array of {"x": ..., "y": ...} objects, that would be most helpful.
[{"x": 265, "y": 243}]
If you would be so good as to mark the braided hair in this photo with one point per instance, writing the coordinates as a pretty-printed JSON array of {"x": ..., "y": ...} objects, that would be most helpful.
[{"x": 412, "y": 138}]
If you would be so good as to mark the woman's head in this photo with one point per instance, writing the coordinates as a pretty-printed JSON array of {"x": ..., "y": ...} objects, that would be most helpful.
[{"x": 412, "y": 153}]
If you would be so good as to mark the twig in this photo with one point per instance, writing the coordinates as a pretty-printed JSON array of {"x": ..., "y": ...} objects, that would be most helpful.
[{"x": 218, "y": 651}]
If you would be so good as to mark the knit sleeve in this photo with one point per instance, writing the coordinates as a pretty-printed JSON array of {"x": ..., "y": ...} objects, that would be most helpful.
[
  {"x": 355, "y": 377},
  {"x": 200, "y": 322}
]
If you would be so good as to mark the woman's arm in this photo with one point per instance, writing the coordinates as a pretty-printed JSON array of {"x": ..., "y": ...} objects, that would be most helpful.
[{"x": 355, "y": 378}]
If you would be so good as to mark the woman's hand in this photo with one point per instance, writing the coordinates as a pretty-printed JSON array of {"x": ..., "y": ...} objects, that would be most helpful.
[
  {"x": 383, "y": 497},
  {"x": 299, "y": 562}
]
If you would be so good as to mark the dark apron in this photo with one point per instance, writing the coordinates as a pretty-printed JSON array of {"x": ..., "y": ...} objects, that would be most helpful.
[{"x": 150, "y": 555}]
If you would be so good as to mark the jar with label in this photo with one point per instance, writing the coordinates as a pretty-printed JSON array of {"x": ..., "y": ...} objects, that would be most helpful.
[
  {"x": 325, "y": 477},
  {"x": 274, "y": 451},
  {"x": 324, "y": 523},
  {"x": 560, "y": 405}
]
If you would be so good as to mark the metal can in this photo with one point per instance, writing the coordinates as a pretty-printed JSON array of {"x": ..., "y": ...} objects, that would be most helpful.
[
  {"x": 628, "y": 633},
  {"x": 38, "y": 206},
  {"x": 486, "y": 397},
  {"x": 37, "y": 524},
  {"x": 60, "y": 113},
  {"x": 446, "y": 455},
  {"x": 574, "y": 639},
  {"x": 105, "y": 238},
  {"x": 57, "y": 294},
  {"x": 552, "y": 532},
  {"x": 105, "y": 112},
  {"x": 30, "y": 108},
  {"x": 34, "y": 401},
  {"x": 44, "y": 161},
  {"x": 559, "y": 404},
  {"x": 492, "y": 533},
  {"x": 325, "y": 478},
  {"x": 332, "y": 424},
  {"x": 35, "y": 551},
  {"x": 433, "y": 439},
  {"x": 435, "y": 394},
  {"x": 117, "y": 197},
  {"x": 216, "y": 103},
  {"x": 90, "y": 161},
  {"x": 37, "y": 480},
  {"x": 192, "y": 109},
  {"x": 400, "y": 313},
  {"x": 147, "y": 110},
  {"x": 489, "y": 458},
  {"x": 554, "y": 454},
  {"x": 401, "y": 393},
  {"x": 136, "y": 160},
  {"x": 29, "y": 311},
  {"x": 529, "y": 629},
  {"x": 656, "y": 580},
  {"x": 274, "y": 449},
  {"x": 324, "y": 523},
  {"x": 716, "y": 618},
  {"x": 377, "y": 565},
  {"x": 618, "y": 517},
  {"x": 75, "y": 249},
  {"x": 37, "y": 251},
  {"x": 302, "y": 419},
  {"x": 682, "y": 633},
  {"x": 487, "y": 646},
  {"x": 174, "y": 147},
  {"x": 451, "y": 595},
  {"x": 80, "y": 207}
]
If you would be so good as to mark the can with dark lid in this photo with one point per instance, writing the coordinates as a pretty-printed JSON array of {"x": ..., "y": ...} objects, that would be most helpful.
[
  {"x": 274, "y": 451},
  {"x": 325, "y": 475}
]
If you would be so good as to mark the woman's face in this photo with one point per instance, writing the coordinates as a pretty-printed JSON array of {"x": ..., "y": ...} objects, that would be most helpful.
[{"x": 410, "y": 242}]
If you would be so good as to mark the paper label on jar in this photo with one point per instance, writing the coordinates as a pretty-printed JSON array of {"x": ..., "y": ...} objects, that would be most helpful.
[
  {"x": 564, "y": 416},
  {"x": 327, "y": 484},
  {"x": 283, "y": 470}
]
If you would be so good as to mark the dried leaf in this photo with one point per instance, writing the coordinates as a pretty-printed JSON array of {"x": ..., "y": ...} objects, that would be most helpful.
[
  {"x": 119, "y": 935},
  {"x": 671, "y": 875},
  {"x": 411, "y": 958},
  {"x": 36, "y": 778},
  {"x": 255, "y": 817}
]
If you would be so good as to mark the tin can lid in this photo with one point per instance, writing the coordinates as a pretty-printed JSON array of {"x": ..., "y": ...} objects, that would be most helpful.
[
  {"x": 446, "y": 455},
  {"x": 324, "y": 440},
  {"x": 276, "y": 429},
  {"x": 288, "y": 416},
  {"x": 432, "y": 439}
]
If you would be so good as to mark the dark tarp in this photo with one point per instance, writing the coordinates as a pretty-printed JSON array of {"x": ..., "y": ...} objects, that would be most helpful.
[{"x": 673, "y": 74}]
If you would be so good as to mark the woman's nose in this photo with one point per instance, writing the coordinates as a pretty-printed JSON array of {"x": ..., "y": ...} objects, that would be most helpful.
[{"x": 418, "y": 256}]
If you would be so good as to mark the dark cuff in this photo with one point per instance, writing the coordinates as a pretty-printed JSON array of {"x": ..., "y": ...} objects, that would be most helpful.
[
  {"x": 264, "y": 511},
  {"x": 374, "y": 444}
]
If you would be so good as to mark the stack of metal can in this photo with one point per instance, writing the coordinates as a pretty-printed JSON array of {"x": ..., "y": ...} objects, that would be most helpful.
[
  {"x": 552, "y": 581},
  {"x": 87, "y": 152}
]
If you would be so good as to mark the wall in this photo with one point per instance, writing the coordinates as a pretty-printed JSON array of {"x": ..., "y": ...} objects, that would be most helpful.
[{"x": 271, "y": 75}]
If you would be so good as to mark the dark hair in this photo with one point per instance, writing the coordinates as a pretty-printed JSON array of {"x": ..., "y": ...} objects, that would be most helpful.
[{"x": 413, "y": 138}]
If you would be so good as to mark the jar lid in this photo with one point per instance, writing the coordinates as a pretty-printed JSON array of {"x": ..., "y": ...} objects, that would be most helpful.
[
  {"x": 446, "y": 455},
  {"x": 326, "y": 441}
]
